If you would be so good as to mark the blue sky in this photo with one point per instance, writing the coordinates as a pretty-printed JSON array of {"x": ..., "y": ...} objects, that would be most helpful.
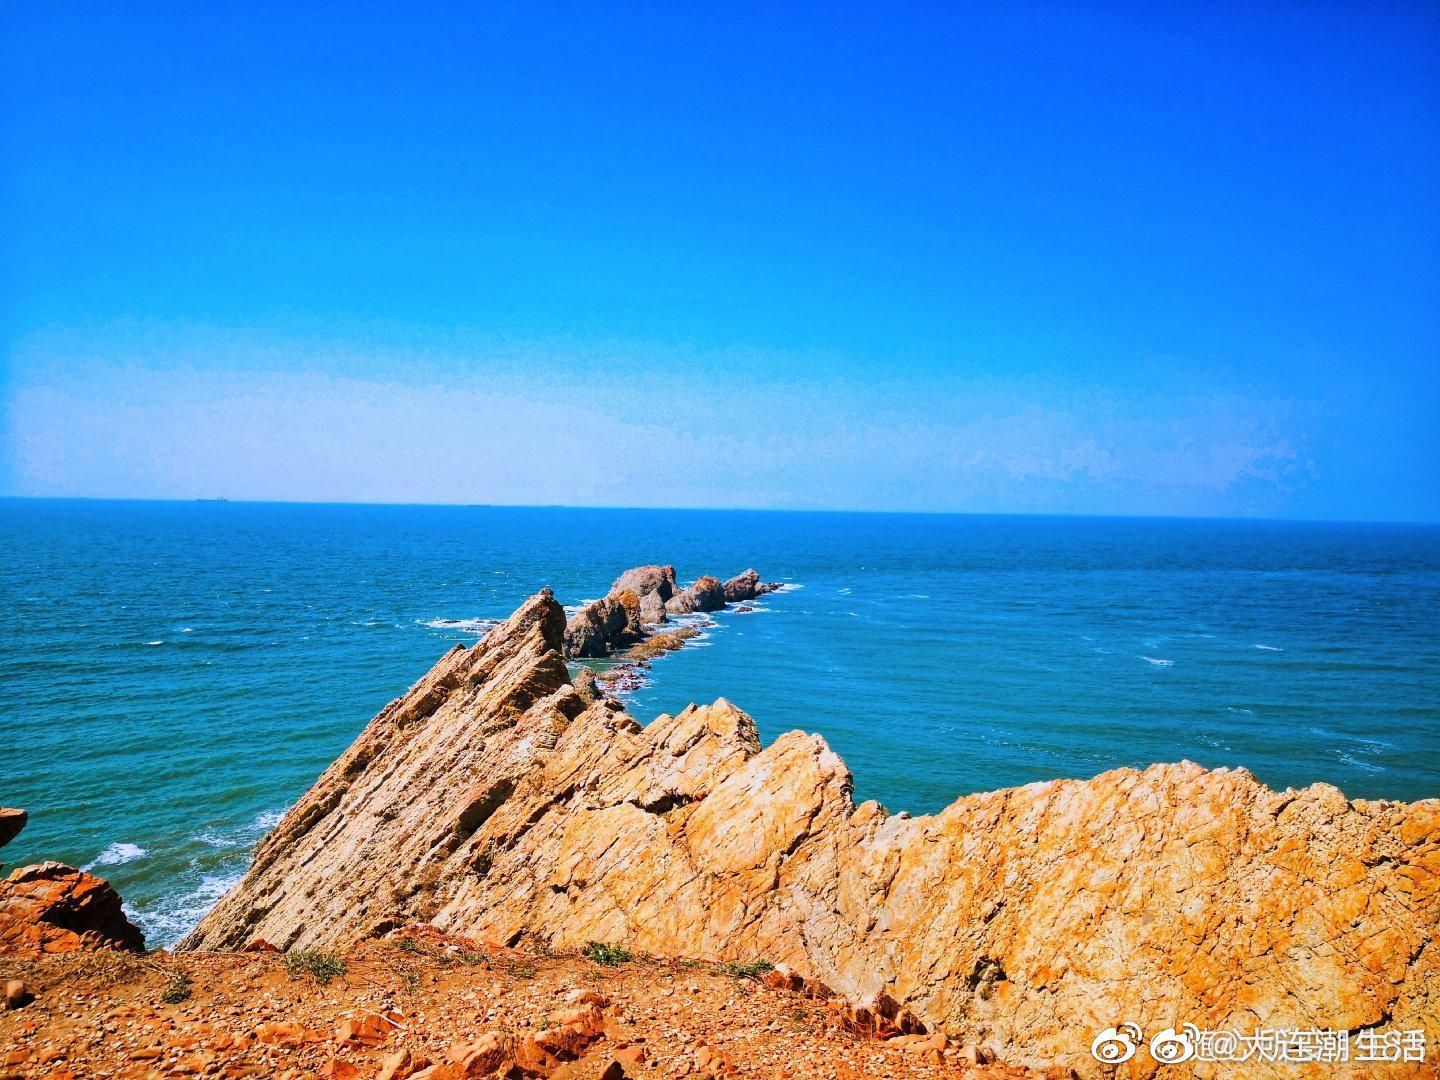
[{"x": 1074, "y": 258}]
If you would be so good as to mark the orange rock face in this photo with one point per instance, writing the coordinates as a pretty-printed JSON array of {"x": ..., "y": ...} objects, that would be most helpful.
[
  {"x": 53, "y": 908},
  {"x": 494, "y": 802}
]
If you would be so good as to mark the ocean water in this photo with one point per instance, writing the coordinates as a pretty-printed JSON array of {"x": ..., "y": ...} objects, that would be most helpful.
[{"x": 173, "y": 675}]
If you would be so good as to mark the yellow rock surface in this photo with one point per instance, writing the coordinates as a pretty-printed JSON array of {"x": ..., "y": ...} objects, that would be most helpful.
[{"x": 493, "y": 802}]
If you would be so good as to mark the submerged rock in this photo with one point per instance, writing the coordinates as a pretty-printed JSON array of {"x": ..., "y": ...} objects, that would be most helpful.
[
  {"x": 662, "y": 643},
  {"x": 53, "y": 908},
  {"x": 493, "y": 800}
]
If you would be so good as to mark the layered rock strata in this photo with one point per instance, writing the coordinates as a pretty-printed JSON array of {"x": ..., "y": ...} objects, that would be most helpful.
[{"x": 493, "y": 800}]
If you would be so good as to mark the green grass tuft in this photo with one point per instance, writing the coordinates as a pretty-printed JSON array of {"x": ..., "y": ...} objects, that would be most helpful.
[
  {"x": 748, "y": 971},
  {"x": 178, "y": 990},
  {"x": 609, "y": 955},
  {"x": 322, "y": 967}
]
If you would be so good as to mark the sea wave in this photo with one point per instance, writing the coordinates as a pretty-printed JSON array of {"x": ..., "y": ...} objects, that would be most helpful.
[
  {"x": 175, "y": 915},
  {"x": 1268, "y": 648},
  {"x": 1366, "y": 766},
  {"x": 1157, "y": 662},
  {"x": 118, "y": 854},
  {"x": 268, "y": 819},
  {"x": 465, "y": 626}
]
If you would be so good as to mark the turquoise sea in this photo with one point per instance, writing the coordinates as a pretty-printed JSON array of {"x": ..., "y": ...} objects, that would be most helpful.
[{"x": 175, "y": 674}]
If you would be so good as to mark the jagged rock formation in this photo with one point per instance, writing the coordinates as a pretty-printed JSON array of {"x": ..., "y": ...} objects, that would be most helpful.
[
  {"x": 644, "y": 596},
  {"x": 747, "y": 586},
  {"x": 54, "y": 908},
  {"x": 494, "y": 801}
]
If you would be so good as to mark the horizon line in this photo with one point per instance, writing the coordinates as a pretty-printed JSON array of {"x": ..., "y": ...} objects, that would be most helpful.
[{"x": 213, "y": 500}]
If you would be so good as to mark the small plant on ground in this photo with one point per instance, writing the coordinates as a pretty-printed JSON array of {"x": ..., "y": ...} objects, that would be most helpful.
[
  {"x": 523, "y": 971},
  {"x": 609, "y": 955},
  {"x": 322, "y": 967},
  {"x": 408, "y": 945},
  {"x": 178, "y": 990},
  {"x": 748, "y": 971}
]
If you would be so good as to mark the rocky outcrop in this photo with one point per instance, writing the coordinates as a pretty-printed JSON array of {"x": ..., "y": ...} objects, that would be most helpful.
[
  {"x": 652, "y": 609},
  {"x": 610, "y": 623},
  {"x": 53, "y": 908},
  {"x": 493, "y": 801},
  {"x": 643, "y": 597},
  {"x": 645, "y": 580},
  {"x": 747, "y": 586},
  {"x": 707, "y": 594}
]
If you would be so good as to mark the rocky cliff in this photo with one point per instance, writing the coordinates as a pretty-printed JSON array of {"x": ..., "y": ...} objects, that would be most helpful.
[{"x": 495, "y": 801}]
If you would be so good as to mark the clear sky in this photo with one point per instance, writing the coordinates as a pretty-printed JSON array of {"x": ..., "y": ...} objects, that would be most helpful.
[{"x": 1169, "y": 258}]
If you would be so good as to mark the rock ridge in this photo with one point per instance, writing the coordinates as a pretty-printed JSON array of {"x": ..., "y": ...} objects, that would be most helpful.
[
  {"x": 496, "y": 800},
  {"x": 645, "y": 596}
]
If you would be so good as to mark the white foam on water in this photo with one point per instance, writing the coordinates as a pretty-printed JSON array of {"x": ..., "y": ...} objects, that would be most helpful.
[
  {"x": 218, "y": 838},
  {"x": 154, "y": 643},
  {"x": 1268, "y": 648},
  {"x": 465, "y": 626},
  {"x": 175, "y": 916},
  {"x": 1157, "y": 662},
  {"x": 788, "y": 586},
  {"x": 1232, "y": 708},
  {"x": 1368, "y": 766},
  {"x": 268, "y": 819},
  {"x": 118, "y": 854}
]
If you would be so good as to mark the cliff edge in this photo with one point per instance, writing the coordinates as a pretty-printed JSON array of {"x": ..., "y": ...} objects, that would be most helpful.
[{"x": 495, "y": 801}]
